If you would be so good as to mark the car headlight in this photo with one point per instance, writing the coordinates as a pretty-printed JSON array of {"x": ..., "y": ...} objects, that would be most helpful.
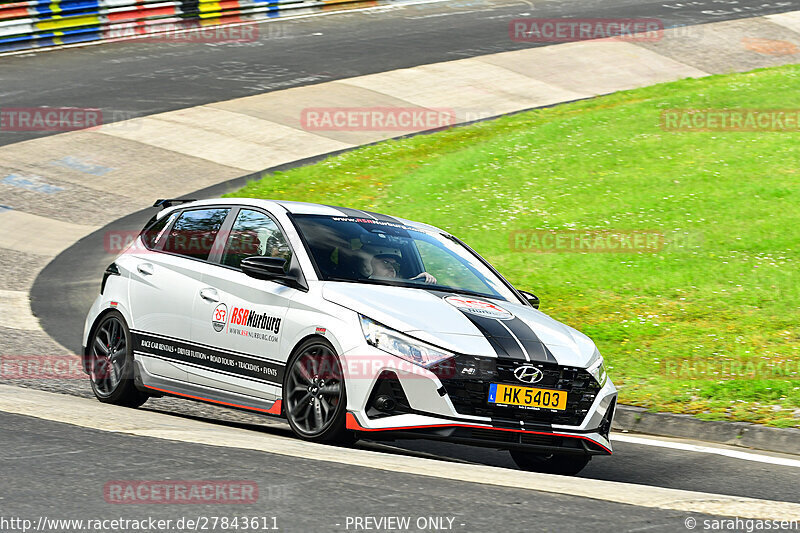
[
  {"x": 401, "y": 345},
  {"x": 597, "y": 368}
]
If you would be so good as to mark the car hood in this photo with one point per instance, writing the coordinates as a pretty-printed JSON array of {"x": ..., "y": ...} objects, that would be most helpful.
[{"x": 466, "y": 324}]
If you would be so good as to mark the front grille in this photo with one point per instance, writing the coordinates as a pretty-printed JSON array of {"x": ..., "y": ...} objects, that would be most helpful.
[{"x": 466, "y": 380}]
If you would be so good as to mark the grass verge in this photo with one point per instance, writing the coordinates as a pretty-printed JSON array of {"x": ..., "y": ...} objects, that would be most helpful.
[{"x": 707, "y": 324}]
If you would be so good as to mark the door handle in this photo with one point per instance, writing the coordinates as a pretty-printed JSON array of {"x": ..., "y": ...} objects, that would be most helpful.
[
  {"x": 146, "y": 269},
  {"x": 210, "y": 295}
]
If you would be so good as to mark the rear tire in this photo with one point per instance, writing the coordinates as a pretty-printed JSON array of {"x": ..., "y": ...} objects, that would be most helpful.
[
  {"x": 563, "y": 464},
  {"x": 111, "y": 363},
  {"x": 314, "y": 396}
]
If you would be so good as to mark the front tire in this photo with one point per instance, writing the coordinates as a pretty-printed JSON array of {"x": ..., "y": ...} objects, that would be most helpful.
[
  {"x": 315, "y": 401},
  {"x": 111, "y": 363},
  {"x": 563, "y": 464}
]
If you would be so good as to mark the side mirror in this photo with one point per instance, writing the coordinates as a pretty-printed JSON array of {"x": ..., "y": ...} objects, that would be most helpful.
[
  {"x": 532, "y": 298},
  {"x": 259, "y": 267},
  {"x": 274, "y": 269}
]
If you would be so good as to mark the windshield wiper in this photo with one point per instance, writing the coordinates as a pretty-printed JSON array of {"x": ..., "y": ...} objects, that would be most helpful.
[
  {"x": 461, "y": 291},
  {"x": 411, "y": 285},
  {"x": 370, "y": 281}
]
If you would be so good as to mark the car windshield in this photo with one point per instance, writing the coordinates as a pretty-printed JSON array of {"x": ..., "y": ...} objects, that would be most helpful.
[{"x": 392, "y": 253}]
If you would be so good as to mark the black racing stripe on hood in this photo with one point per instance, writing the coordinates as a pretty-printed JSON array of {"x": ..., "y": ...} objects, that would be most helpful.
[
  {"x": 501, "y": 342},
  {"x": 496, "y": 346},
  {"x": 504, "y": 345},
  {"x": 536, "y": 349}
]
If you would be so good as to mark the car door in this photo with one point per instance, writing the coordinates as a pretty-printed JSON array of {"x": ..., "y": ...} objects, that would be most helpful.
[
  {"x": 165, "y": 280},
  {"x": 239, "y": 318}
]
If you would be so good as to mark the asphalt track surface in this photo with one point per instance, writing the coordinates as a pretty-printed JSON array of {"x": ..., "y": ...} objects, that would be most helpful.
[
  {"x": 631, "y": 463},
  {"x": 59, "y": 471},
  {"x": 134, "y": 78}
]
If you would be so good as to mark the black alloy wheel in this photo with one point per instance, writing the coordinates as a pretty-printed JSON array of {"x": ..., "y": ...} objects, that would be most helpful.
[
  {"x": 111, "y": 363},
  {"x": 314, "y": 393}
]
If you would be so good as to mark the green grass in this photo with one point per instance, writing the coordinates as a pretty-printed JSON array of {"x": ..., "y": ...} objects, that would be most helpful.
[{"x": 721, "y": 295}]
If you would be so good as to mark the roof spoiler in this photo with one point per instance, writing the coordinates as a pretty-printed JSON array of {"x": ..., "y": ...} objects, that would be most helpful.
[{"x": 163, "y": 203}]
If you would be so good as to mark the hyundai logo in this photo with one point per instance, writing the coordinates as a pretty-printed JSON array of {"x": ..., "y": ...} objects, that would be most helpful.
[{"x": 528, "y": 374}]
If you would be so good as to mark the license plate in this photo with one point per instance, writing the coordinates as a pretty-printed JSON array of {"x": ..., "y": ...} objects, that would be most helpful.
[{"x": 527, "y": 396}]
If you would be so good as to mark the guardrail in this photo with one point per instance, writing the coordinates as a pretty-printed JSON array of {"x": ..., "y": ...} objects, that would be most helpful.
[{"x": 41, "y": 23}]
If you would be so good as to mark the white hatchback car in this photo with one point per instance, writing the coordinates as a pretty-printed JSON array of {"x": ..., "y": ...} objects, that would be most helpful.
[{"x": 347, "y": 323}]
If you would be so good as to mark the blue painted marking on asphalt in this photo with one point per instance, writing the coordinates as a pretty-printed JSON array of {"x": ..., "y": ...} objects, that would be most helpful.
[
  {"x": 32, "y": 183},
  {"x": 81, "y": 165}
]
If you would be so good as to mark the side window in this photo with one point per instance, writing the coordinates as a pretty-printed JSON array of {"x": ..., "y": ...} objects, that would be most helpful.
[
  {"x": 254, "y": 233},
  {"x": 153, "y": 232},
  {"x": 194, "y": 232}
]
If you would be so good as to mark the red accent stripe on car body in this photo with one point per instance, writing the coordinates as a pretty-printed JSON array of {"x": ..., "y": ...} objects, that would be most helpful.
[
  {"x": 352, "y": 423},
  {"x": 276, "y": 408}
]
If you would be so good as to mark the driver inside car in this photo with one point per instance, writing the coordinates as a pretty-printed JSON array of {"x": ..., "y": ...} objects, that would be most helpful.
[{"x": 388, "y": 266}]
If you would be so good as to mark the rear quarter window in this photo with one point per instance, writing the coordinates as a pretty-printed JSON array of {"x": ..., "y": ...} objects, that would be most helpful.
[{"x": 154, "y": 230}]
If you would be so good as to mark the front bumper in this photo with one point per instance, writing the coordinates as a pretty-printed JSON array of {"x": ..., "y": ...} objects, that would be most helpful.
[
  {"x": 489, "y": 436},
  {"x": 446, "y": 404}
]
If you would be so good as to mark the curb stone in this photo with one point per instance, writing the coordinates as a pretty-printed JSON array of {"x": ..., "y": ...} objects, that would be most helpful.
[{"x": 741, "y": 434}]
